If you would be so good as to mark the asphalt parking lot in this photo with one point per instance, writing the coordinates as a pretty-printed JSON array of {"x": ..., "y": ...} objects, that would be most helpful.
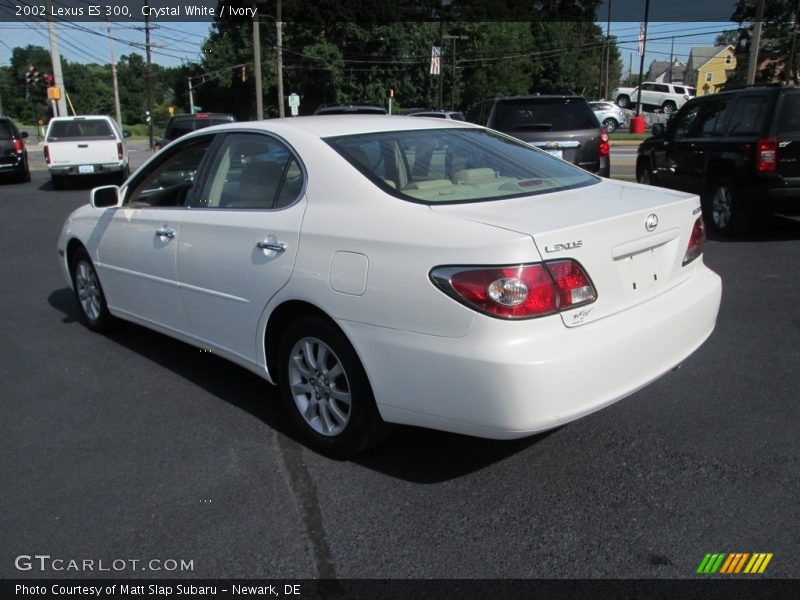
[{"x": 136, "y": 446}]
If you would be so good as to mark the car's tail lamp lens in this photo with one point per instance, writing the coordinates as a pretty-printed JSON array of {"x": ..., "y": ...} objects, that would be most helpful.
[
  {"x": 19, "y": 146},
  {"x": 766, "y": 155},
  {"x": 47, "y": 155},
  {"x": 696, "y": 242},
  {"x": 517, "y": 291},
  {"x": 604, "y": 147},
  {"x": 119, "y": 151}
]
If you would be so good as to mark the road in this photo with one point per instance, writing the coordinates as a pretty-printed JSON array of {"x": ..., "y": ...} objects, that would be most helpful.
[{"x": 135, "y": 446}]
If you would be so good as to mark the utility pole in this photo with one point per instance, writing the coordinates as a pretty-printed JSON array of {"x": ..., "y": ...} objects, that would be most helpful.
[
  {"x": 608, "y": 47},
  {"x": 191, "y": 96},
  {"x": 755, "y": 43},
  {"x": 60, "y": 105},
  {"x": 257, "y": 63},
  {"x": 671, "y": 53},
  {"x": 117, "y": 111},
  {"x": 641, "y": 59},
  {"x": 149, "y": 73},
  {"x": 279, "y": 44},
  {"x": 453, "y": 90}
]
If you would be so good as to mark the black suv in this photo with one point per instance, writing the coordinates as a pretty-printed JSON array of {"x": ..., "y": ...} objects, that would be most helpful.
[
  {"x": 13, "y": 155},
  {"x": 563, "y": 125},
  {"x": 738, "y": 149},
  {"x": 179, "y": 125}
]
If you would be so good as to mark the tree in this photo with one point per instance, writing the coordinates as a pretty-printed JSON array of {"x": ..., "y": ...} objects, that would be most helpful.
[{"x": 778, "y": 53}]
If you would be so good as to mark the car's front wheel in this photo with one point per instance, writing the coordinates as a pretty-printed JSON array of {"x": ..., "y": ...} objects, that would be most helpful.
[
  {"x": 325, "y": 389},
  {"x": 724, "y": 211},
  {"x": 89, "y": 294},
  {"x": 623, "y": 101},
  {"x": 610, "y": 125}
]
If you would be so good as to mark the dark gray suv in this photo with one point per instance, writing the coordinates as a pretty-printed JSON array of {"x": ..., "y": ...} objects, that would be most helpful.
[{"x": 563, "y": 125}]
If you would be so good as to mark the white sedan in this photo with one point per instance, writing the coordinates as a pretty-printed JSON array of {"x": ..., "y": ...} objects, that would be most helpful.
[{"x": 394, "y": 270}]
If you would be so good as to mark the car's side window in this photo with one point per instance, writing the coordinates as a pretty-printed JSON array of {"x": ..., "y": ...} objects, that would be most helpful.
[
  {"x": 168, "y": 180},
  {"x": 684, "y": 121},
  {"x": 747, "y": 116},
  {"x": 709, "y": 120},
  {"x": 251, "y": 171}
]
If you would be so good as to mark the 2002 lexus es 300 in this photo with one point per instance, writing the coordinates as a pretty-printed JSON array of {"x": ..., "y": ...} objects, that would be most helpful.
[{"x": 395, "y": 270}]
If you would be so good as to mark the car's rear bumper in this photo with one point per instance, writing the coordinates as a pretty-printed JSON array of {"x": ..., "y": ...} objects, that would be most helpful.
[
  {"x": 97, "y": 169},
  {"x": 509, "y": 379}
]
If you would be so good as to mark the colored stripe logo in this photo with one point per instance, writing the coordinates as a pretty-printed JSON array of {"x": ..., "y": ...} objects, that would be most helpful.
[{"x": 734, "y": 562}]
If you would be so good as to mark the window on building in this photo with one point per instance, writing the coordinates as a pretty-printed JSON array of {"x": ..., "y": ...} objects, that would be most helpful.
[{"x": 709, "y": 77}]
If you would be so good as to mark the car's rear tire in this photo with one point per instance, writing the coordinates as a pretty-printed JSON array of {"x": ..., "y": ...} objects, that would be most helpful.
[
  {"x": 325, "y": 389},
  {"x": 669, "y": 107},
  {"x": 623, "y": 101},
  {"x": 89, "y": 294},
  {"x": 610, "y": 125},
  {"x": 724, "y": 210}
]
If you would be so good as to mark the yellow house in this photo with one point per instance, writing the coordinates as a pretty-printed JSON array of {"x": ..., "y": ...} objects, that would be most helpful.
[{"x": 708, "y": 68}]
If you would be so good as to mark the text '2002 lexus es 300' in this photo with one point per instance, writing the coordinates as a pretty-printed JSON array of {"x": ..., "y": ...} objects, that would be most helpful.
[{"x": 394, "y": 270}]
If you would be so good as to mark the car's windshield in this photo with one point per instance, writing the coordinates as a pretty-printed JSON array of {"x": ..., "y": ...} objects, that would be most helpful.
[
  {"x": 543, "y": 114},
  {"x": 81, "y": 129},
  {"x": 456, "y": 165}
]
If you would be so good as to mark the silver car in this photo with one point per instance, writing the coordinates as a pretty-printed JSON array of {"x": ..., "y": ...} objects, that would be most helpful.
[{"x": 609, "y": 115}]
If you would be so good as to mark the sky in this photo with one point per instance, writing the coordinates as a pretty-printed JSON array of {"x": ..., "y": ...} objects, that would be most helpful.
[{"x": 175, "y": 43}]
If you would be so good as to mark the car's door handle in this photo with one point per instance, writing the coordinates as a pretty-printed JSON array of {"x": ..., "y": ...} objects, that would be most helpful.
[
  {"x": 165, "y": 232},
  {"x": 271, "y": 245}
]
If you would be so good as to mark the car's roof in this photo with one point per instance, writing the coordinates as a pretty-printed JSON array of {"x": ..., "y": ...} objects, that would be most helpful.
[{"x": 336, "y": 125}]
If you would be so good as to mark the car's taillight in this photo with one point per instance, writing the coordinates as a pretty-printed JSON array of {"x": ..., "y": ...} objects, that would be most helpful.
[
  {"x": 46, "y": 155},
  {"x": 18, "y": 146},
  {"x": 517, "y": 291},
  {"x": 604, "y": 147},
  {"x": 766, "y": 155},
  {"x": 696, "y": 242},
  {"x": 119, "y": 151}
]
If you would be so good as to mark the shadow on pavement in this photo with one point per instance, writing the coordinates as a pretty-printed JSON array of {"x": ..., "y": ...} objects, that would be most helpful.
[
  {"x": 410, "y": 453},
  {"x": 768, "y": 228}
]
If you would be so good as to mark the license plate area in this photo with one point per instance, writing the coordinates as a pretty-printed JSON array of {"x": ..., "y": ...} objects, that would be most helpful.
[
  {"x": 641, "y": 271},
  {"x": 86, "y": 169}
]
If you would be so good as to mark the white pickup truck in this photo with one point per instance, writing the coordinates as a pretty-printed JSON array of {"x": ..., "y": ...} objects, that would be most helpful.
[{"x": 84, "y": 147}]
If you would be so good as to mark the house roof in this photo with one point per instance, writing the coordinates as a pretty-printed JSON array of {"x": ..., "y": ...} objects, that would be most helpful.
[
  {"x": 659, "y": 67},
  {"x": 700, "y": 56}
]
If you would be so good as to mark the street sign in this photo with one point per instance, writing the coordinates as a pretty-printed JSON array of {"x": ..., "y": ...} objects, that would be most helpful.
[
  {"x": 196, "y": 109},
  {"x": 294, "y": 110},
  {"x": 294, "y": 100}
]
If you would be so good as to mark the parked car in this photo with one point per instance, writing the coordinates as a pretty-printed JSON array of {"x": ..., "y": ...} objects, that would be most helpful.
[
  {"x": 658, "y": 96},
  {"x": 609, "y": 115},
  {"x": 562, "y": 125},
  {"x": 13, "y": 154},
  {"x": 84, "y": 147},
  {"x": 179, "y": 125},
  {"x": 738, "y": 149},
  {"x": 297, "y": 248},
  {"x": 438, "y": 114},
  {"x": 350, "y": 109}
]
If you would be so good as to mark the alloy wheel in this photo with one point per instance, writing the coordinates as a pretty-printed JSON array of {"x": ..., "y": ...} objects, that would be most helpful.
[
  {"x": 722, "y": 207},
  {"x": 88, "y": 290},
  {"x": 319, "y": 386}
]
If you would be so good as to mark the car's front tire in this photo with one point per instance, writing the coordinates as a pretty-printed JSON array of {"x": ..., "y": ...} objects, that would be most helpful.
[
  {"x": 325, "y": 389},
  {"x": 89, "y": 294},
  {"x": 724, "y": 210},
  {"x": 623, "y": 101},
  {"x": 610, "y": 125}
]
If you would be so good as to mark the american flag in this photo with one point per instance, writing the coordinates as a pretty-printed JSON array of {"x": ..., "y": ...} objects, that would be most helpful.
[{"x": 436, "y": 60}]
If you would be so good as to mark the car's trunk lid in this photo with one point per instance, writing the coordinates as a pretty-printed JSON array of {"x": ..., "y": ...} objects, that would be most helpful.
[{"x": 629, "y": 239}]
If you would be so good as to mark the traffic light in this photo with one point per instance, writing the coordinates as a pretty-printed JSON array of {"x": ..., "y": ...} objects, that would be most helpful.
[
  {"x": 49, "y": 80},
  {"x": 32, "y": 76},
  {"x": 244, "y": 74}
]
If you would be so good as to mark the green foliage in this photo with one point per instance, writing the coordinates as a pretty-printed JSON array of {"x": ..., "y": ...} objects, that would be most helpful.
[{"x": 778, "y": 31}]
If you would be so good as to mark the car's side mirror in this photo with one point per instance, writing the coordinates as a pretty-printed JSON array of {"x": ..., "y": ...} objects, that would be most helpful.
[
  {"x": 126, "y": 134},
  {"x": 24, "y": 134},
  {"x": 105, "y": 196},
  {"x": 659, "y": 130}
]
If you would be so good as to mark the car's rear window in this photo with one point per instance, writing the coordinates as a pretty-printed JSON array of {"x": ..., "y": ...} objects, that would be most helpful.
[
  {"x": 543, "y": 114},
  {"x": 679, "y": 89},
  {"x": 789, "y": 120},
  {"x": 6, "y": 132},
  {"x": 182, "y": 127},
  {"x": 81, "y": 129},
  {"x": 456, "y": 165}
]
